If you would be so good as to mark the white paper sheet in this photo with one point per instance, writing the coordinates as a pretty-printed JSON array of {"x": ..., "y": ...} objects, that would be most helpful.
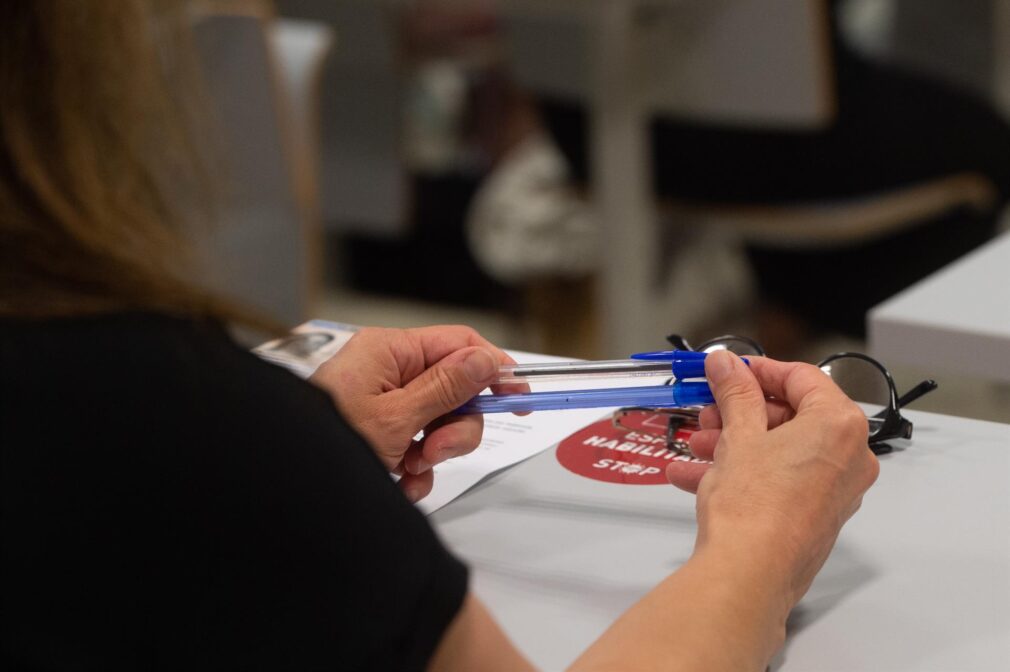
[{"x": 507, "y": 440}]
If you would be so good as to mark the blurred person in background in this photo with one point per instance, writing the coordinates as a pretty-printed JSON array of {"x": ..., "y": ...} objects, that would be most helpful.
[{"x": 169, "y": 501}]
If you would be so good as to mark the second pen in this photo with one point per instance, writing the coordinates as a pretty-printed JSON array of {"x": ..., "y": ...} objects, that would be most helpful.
[{"x": 680, "y": 364}]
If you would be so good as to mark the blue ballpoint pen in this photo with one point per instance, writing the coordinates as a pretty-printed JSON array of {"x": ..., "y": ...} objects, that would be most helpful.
[
  {"x": 678, "y": 364},
  {"x": 659, "y": 396}
]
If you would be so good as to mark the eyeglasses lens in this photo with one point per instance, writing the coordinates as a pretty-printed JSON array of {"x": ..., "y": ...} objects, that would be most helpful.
[{"x": 864, "y": 383}]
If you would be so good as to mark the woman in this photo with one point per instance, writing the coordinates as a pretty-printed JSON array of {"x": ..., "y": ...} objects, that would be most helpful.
[{"x": 171, "y": 502}]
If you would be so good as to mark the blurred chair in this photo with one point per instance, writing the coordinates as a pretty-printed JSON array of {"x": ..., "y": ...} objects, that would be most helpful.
[
  {"x": 364, "y": 188},
  {"x": 302, "y": 48},
  {"x": 263, "y": 83}
]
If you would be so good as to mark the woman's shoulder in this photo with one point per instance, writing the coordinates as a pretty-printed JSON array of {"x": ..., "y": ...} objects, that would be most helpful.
[
  {"x": 118, "y": 374},
  {"x": 115, "y": 341},
  {"x": 117, "y": 348}
]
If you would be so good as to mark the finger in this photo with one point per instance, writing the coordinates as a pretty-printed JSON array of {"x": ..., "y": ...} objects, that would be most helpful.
[
  {"x": 446, "y": 385},
  {"x": 703, "y": 443},
  {"x": 709, "y": 418},
  {"x": 687, "y": 475},
  {"x": 439, "y": 342},
  {"x": 778, "y": 412},
  {"x": 799, "y": 385},
  {"x": 451, "y": 437},
  {"x": 417, "y": 486},
  {"x": 510, "y": 388},
  {"x": 412, "y": 461},
  {"x": 737, "y": 393}
]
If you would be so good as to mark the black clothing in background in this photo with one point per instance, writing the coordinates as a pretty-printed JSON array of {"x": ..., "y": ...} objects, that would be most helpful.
[{"x": 171, "y": 502}]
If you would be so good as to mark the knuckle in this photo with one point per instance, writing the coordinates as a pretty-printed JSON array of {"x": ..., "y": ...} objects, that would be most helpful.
[
  {"x": 366, "y": 333},
  {"x": 849, "y": 423},
  {"x": 364, "y": 337},
  {"x": 807, "y": 368},
  {"x": 443, "y": 389},
  {"x": 872, "y": 469},
  {"x": 396, "y": 419},
  {"x": 804, "y": 370},
  {"x": 736, "y": 393},
  {"x": 854, "y": 421}
]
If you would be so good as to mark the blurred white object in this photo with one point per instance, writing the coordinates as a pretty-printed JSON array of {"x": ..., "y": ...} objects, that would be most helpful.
[
  {"x": 869, "y": 24},
  {"x": 436, "y": 101},
  {"x": 526, "y": 221},
  {"x": 956, "y": 320},
  {"x": 301, "y": 49}
]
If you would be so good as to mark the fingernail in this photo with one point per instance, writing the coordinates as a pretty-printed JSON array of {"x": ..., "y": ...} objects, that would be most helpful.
[
  {"x": 444, "y": 454},
  {"x": 413, "y": 494},
  {"x": 415, "y": 464},
  {"x": 719, "y": 365},
  {"x": 480, "y": 366}
]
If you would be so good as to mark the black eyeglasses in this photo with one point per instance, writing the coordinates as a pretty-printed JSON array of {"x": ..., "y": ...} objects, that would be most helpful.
[{"x": 864, "y": 379}]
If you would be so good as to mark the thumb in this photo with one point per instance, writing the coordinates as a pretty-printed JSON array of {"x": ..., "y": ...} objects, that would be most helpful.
[
  {"x": 737, "y": 393},
  {"x": 450, "y": 383}
]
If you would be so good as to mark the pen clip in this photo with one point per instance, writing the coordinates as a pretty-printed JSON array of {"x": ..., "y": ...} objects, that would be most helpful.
[{"x": 669, "y": 355}]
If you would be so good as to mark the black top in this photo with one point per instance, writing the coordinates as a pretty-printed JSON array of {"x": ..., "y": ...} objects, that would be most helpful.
[{"x": 171, "y": 502}]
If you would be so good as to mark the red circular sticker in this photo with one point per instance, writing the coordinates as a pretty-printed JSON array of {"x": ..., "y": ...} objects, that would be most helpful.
[{"x": 634, "y": 455}]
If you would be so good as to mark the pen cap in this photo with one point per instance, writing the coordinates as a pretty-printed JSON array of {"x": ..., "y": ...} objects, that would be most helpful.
[
  {"x": 688, "y": 368},
  {"x": 692, "y": 394},
  {"x": 683, "y": 363}
]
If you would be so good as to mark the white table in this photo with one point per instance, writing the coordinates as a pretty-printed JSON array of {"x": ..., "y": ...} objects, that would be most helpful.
[
  {"x": 919, "y": 579},
  {"x": 956, "y": 320}
]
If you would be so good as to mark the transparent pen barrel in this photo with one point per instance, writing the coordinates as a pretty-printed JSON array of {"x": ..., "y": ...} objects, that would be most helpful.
[{"x": 614, "y": 368}]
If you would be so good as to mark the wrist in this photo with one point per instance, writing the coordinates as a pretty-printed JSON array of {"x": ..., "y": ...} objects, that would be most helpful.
[{"x": 755, "y": 564}]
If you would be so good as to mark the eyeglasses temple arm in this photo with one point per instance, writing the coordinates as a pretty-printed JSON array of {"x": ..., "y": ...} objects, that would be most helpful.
[
  {"x": 678, "y": 342},
  {"x": 925, "y": 387},
  {"x": 919, "y": 390}
]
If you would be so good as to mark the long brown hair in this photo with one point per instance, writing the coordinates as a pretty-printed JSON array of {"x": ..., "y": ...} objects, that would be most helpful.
[{"x": 99, "y": 168}]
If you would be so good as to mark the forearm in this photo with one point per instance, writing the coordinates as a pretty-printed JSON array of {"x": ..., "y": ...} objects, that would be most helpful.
[
  {"x": 474, "y": 641},
  {"x": 725, "y": 609}
]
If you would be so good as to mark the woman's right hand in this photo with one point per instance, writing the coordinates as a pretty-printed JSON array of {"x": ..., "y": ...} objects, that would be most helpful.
[{"x": 790, "y": 466}]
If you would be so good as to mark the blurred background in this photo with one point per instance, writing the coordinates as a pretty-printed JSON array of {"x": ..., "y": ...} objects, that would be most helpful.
[{"x": 585, "y": 177}]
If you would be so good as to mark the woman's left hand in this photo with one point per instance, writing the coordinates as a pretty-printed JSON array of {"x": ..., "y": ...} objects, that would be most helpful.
[{"x": 392, "y": 383}]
